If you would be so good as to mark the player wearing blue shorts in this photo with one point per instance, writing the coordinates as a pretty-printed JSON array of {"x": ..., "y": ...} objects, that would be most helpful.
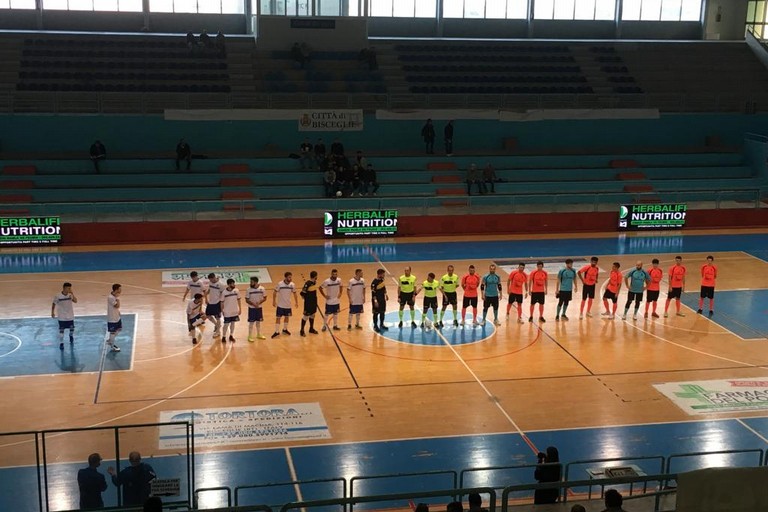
[
  {"x": 566, "y": 286},
  {"x": 331, "y": 292},
  {"x": 213, "y": 302},
  {"x": 356, "y": 296},
  {"x": 282, "y": 299},
  {"x": 231, "y": 309},
  {"x": 114, "y": 323},
  {"x": 63, "y": 310},
  {"x": 255, "y": 296}
]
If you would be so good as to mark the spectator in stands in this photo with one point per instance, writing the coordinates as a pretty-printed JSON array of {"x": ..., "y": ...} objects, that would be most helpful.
[
  {"x": 613, "y": 501},
  {"x": 476, "y": 503},
  {"x": 183, "y": 152},
  {"x": 305, "y": 152},
  {"x": 191, "y": 42},
  {"x": 297, "y": 55},
  {"x": 548, "y": 470},
  {"x": 337, "y": 148},
  {"x": 206, "y": 40},
  {"x": 454, "y": 506},
  {"x": 98, "y": 153},
  {"x": 355, "y": 181},
  {"x": 368, "y": 57},
  {"x": 369, "y": 183},
  {"x": 221, "y": 46},
  {"x": 330, "y": 183},
  {"x": 489, "y": 178},
  {"x": 319, "y": 152},
  {"x": 91, "y": 484},
  {"x": 306, "y": 53},
  {"x": 153, "y": 504},
  {"x": 361, "y": 160},
  {"x": 428, "y": 134},
  {"x": 448, "y": 136},
  {"x": 578, "y": 508},
  {"x": 341, "y": 179},
  {"x": 421, "y": 507},
  {"x": 135, "y": 480},
  {"x": 474, "y": 177}
]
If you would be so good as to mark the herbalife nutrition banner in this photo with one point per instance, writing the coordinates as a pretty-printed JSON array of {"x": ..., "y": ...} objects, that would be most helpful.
[
  {"x": 635, "y": 217},
  {"x": 30, "y": 231},
  {"x": 363, "y": 223}
]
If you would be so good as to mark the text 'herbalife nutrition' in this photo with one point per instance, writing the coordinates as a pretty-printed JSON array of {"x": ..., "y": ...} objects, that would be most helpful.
[
  {"x": 652, "y": 216},
  {"x": 360, "y": 223}
]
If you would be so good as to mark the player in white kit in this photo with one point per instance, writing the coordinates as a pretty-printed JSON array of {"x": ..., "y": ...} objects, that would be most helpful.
[
  {"x": 194, "y": 285},
  {"x": 213, "y": 302},
  {"x": 114, "y": 323},
  {"x": 331, "y": 291},
  {"x": 195, "y": 318},
  {"x": 64, "y": 311},
  {"x": 356, "y": 296},
  {"x": 282, "y": 299},
  {"x": 255, "y": 297},
  {"x": 230, "y": 307}
]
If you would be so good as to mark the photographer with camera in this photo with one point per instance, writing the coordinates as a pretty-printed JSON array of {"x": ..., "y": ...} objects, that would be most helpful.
[{"x": 548, "y": 470}]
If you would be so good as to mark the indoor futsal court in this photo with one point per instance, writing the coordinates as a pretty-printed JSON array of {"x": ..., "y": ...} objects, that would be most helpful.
[{"x": 356, "y": 402}]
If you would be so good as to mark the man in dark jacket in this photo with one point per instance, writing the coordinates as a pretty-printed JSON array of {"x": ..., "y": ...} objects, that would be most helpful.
[
  {"x": 183, "y": 152},
  {"x": 448, "y": 136},
  {"x": 91, "y": 484},
  {"x": 135, "y": 480},
  {"x": 98, "y": 153},
  {"x": 428, "y": 134},
  {"x": 369, "y": 183}
]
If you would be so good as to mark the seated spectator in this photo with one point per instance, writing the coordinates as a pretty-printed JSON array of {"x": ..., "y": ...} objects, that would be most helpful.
[
  {"x": 421, "y": 507},
  {"x": 337, "y": 148},
  {"x": 300, "y": 54},
  {"x": 191, "y": 41},
  {"x": 306, "y": 53},
  {"x": 206, "y": 40},
  {"x": 490, "y": 178},
  {"x": 368, "y": 179},
  {"x": 341, "y": 179},
  {"x": 578, "y": 508},
  {"x": 305, "y": 154},
  {"x": 221, "y": 46},
  {"x": 476, "y": 503},
  {"x": 98, "y": 153},
  {"x": 454, "y": 506},
  {"x": 547, "y": 471},
  {"x": 330, "y": 183},
  {"x": 361, "y": 160},
  {"x": 183, "y": 152},
  {"x": 474, "y": 177},
  {"x": 319, "y": 151},
  {"x": 355, "y": 181},
  {"x": 153, "y": 504},
  {"x": 373, "y": 62},
  {"x": 613, "y": 501}
]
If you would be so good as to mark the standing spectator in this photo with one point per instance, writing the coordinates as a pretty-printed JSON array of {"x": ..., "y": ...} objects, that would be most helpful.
[
  {"x": 305, "y": 150},
  {"x": 220, "y": 43},
  {"x": 183, "y": 152},
  {"x": 428, "y": 134},
  {"x": 613, "y": 501},
  {"x": 337, "y": 148},
  {"x": 320, "y": 152},
  {"x": 306, "y": 53},
  {"x": 369, "y": 183},
  {"x": 548, "y": 470},
  {"x": 62, "y": 308},
  {"x": 476, "y": 503},
  {"x": 114, "y": 322},
  {"x": 91, "y": 484},
  {"x": 448, "y": 136},
  {"x": 135, "y": 480},
  {"x": 297, "y": 55},
  {"x": 329, "y": 182},
  {"x": 206, "y": 40},
  {"x": 489, "y": 178},
  {"x": 474, "y": 177},
  {"x": 355, "y": 181},
  {"x": 454, "y": 506},
  {"x": 191, "y": 42},
  {"x": 153, "y": 504},
  {"x": 98, "y": 153}
]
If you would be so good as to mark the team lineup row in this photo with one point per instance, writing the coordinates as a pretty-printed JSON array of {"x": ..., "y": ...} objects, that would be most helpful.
[{"x": 211, "y": 300}]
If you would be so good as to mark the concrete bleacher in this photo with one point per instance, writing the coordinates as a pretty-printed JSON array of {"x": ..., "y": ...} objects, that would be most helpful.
[{"x": 524, "y": 179}]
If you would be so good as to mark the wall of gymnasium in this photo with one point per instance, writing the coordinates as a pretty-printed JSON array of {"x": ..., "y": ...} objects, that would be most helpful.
[
  {"x": 73, "y": 134},
  {"x": 727, "y": 27}
]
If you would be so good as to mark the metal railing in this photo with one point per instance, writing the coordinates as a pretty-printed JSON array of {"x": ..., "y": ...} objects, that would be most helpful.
[
  {"x": 152, "y": 103},
  {"x": 602, "y": 482},
  {"x": 241, "y": 488},
  {"x": 385, "y": 498},
  {"x": 465, "y": 472}
]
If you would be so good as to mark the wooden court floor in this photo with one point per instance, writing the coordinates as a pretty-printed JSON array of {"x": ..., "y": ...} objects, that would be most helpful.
[{"x": 523, "y": 377}]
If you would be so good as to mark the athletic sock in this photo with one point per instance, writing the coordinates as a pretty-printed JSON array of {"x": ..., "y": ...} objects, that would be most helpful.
[
  {"x": 400, "y": 314},
  {"x": 654, "y": 306},
  {"x": 701, "y": 302},
  {"x": 311, "y": 323},
  {"x": 581, "y": 308},
  {"x": 605, "y": 304},
  {"x": 541, "y": 310},
  {"x": 615, "y": 306},
  {"x": 589, "y": 305},
  {"x": 474, "y": 314},
  {"x": 677, "y": 305},
  {"x": 303, "y": 323},
  {"x": 711, "y": 304},
  {"x": 666, "y": 306},
  {"x": 463, "y": 313}
]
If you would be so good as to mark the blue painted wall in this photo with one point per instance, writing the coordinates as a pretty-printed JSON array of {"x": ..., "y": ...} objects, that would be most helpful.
[{"x": 153, "y": 133}]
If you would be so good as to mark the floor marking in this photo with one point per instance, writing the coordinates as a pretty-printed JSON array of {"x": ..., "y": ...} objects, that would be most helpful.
[
  {"x": 758, "y": 434},
  {"x": 18, "y": 343},
  {"x": 294, "y": 476}
]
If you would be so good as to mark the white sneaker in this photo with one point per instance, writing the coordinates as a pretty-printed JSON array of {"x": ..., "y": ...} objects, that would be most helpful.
[
  {"x": 581, "y": 317},
  {"x": 115, "y": 348},
  {"x": 623, "y": 317},
  {"x": 634, "y": 317},
  {"x": 605, "y": 314},
  {"x": 611, "y": 317},
  {"x": 496, "y": 323},
  {"x": 520, "y": 321},
  {"x": 589, "y": 315}
]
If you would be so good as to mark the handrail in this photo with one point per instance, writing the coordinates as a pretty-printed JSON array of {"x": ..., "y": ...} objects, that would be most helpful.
[
  {"x": 399, "y": 475},
  {"x": 678, "y": 456},
  {"x": 499, "y": 468},
  {"x": 449, "y": 493},
  {"x": 601, "y": 482},
  {"x": 293, "y": 482},
  {"x": 201, "y": 490}
]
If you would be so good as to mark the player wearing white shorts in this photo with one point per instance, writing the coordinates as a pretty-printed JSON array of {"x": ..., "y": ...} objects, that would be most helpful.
[
  {"x": 195, "y": 317},
  {"x": 213, "y": 302},
  {"x": 255, "y": 297},
  {"x": 114, "y": 322},
  {"x": 282, "y": 300},
  {"x": 356, "y": 296},
  {"x": 194, "y": 286},
  {"x": 63, "y": 310},
  {"x": 230, "y": 307},
  {"x": 331, "y": 291}
]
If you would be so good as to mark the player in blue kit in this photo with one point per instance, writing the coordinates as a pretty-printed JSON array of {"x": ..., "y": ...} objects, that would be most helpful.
[
  {"x": 636, "y": 281},
  {"x": 490, "y": 287},
  {"x": 566, "y": 286}
]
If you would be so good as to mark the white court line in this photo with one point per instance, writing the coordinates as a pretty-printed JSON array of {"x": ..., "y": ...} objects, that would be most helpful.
[
  {"x": 292, "y": 470},
  {"x": 493, "y": 398},
  {"x": 758, "y": 434},
  {"x": 18, "y": 341}
]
